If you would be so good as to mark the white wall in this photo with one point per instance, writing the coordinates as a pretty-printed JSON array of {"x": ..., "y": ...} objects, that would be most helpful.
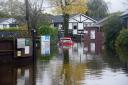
[
  {"x": 80, "y": 26},
  {"x": 2, "y": 26},
  {"x": 72, "y": 20},
  {"x": 70, "y": 26},
  {"x": 81, "y": 21}
]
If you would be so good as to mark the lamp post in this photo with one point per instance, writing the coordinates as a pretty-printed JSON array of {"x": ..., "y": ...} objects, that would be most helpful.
[
  {"x": 33, "y": 32},
  {"x": 27, "y": 14}
]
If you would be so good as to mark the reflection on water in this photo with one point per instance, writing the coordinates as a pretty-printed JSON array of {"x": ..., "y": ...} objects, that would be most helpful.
[
  {"x": 75, "y": 66},
  {"x": 17, "y": 74},
  {"x": 45, "y": 48},
  {"x": 68, "y": 66}
]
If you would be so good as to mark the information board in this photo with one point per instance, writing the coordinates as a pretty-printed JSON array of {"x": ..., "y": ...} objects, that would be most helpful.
[
  {"x": 21, "y": 43},
  {"x": 27, "y": 49}
]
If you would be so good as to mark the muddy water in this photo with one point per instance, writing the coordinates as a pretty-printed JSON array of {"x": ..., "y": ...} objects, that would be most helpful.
[
  {"x": 75, "y": 66},
  {"x": 67, "y": 66}
]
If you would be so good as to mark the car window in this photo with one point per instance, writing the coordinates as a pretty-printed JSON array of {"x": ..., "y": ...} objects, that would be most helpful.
[{"x": 67, "y": 40}]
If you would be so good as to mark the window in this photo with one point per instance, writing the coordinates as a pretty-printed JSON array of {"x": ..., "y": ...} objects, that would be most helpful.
[
  {"x": 4, "y": 25},
  {"x": 92, "y": 34},
  {"x": 92, "y": 47},
  {"x": 85, "y": 24},
  {"x": 60, "y": 26},
  {"x": 12, "y": 25}
]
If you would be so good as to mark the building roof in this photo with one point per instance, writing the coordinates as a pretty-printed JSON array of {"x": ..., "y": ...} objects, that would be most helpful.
[
  {"x": 125, "y": 13},
  {"x": 3, "y": 19},
  {"x": 102, "y": 21},
  {"x": 58, "y": 18}
]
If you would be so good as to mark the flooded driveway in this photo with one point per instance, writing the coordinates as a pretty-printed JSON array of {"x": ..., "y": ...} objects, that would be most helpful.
[
  {"x": 75, "y": 66},
  {"x": 67, "y": 66}
]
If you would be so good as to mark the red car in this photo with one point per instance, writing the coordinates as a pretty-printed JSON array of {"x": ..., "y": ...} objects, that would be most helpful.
[{"x": 66, "y": 41}]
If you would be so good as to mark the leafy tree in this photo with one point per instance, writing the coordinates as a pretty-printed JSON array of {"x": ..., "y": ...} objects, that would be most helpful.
[
  {"x": 17, "y": 9},
  {"x": 111, "y": 30},
  {"x": 3, "y": 15},
  {"x": 97, "y": 9},
  {"x": 122, "y": 45},
  {"x": 67, "y": 7},
  {"x": 13, "y": 8},
  {"x": 47, "y": 30}
]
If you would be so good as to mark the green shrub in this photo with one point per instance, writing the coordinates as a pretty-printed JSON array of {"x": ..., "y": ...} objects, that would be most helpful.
[
  {"x": 43, "y": 30},
  {"x": 48, "y": 30},
  {"x": 12, "y": 29},
  {"x": 122, "y": 44},
  {"x": 111, "y": 30}
]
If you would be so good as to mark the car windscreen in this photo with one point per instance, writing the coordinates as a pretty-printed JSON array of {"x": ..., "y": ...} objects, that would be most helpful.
[{"x": 66, "y": 40}]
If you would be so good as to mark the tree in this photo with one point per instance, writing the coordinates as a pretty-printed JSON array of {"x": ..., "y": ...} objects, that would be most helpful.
[
  {"x": 15, "y": 9},
  {"x": 97, "y": 9},
  {"x": 12, "y": 8},
  {"x": 67, "y": 7},
  {"x": 3, "y": 15},
  {"x": 35, "y": 12},
  {"x": 111, "y": 30},
  {"x": 122, "y": 45}
]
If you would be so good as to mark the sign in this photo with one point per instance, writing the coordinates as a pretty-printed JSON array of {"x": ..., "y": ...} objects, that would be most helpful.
[
  {"x": 21, "y": 43},
  {"x": 27, "y": 49},
  {"x": 45, "y": 38},
  {"x": 28, "y": 42},
  {"x": 18, "y": 53},
  {"x": 45, "y": 48}
]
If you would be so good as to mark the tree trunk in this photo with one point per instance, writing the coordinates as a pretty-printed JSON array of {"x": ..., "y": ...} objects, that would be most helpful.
[{"x": 65, "y": 24}]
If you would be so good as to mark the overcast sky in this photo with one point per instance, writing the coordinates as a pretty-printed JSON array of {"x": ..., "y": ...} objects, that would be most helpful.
[
  {"x": 117, "y": 5},
  {"x": 114, "y": 5}
]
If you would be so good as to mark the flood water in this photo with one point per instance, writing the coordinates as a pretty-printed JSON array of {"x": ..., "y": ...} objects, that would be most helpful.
[{"x": 67, "y": 66}]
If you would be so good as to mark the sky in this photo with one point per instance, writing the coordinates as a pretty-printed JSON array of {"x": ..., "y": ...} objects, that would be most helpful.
[
  {"x": 114, "y": 5},
  {"x": 117, "y": 5}
]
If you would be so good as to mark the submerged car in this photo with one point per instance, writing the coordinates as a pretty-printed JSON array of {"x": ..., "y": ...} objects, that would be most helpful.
[{"x": 66, "y": 41}]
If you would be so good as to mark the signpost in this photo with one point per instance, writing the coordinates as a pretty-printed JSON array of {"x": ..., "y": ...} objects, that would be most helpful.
[{"x": 45, "y": 45}]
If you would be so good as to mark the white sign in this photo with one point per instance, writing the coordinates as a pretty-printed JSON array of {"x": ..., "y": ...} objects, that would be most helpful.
[
  {"x": 21, "y": 43},
  {"x": 27, "y": 49},
  {"x": 18, "y": 53},
  {"x": 45, "y": 38},
  {"x": 45, "y": 48}
]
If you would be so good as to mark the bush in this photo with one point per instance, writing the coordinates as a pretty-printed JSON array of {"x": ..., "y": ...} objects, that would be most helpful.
[
  {"x": 111, "y": 30},
  {"x": 122, "y": 44},
  {"x": 47, "y": 30},
  {"x": 12, "y": 29}
]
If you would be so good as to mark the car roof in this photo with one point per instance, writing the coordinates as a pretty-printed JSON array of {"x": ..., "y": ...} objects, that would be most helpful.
[{"x": 66, "y": 38}]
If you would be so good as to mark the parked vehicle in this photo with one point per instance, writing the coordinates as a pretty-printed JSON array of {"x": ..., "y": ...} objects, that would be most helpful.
[{"x": 66, "y": 41}]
